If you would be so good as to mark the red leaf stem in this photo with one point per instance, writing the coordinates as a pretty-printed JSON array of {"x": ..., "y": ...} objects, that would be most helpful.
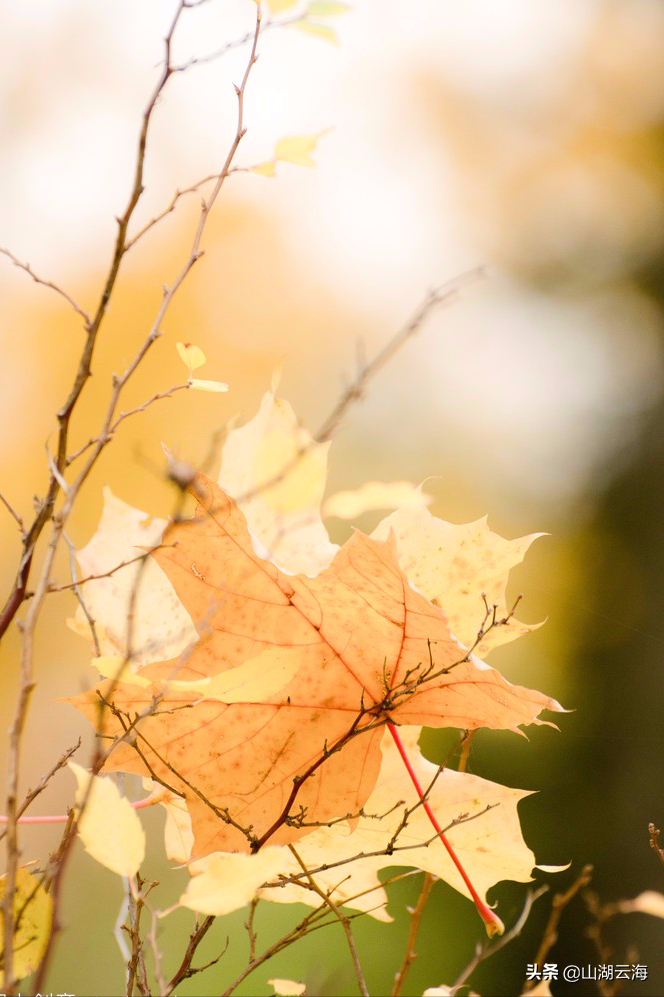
[{"x": 493, "y": 924}]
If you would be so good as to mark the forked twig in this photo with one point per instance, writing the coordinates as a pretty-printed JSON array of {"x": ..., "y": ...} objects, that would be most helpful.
[
  {"x": 342, "y": 918},
  {"x": 560, "y": 901}
]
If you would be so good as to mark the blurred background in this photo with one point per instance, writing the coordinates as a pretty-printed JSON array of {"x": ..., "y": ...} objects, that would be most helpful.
[{"x": 527, "y": 138}]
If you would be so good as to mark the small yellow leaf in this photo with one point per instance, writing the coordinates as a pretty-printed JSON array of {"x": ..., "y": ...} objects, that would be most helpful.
[
  {"x": 375, "y": 495},
  {"x": 33, "y": 908},
  {"x": 192, "y": 356},
  {"x": 253, "y": 681},
  {"x": 116, "y": 667},
  {"x": 224, "y": 881},
  {"x": 276, "y": 6},
  {"x": 199, "y": 385},
  {"x": 178, "y": 835},
  {"x": 275, "y": 461},
  {"x": 327, "y": 8},
  {"x": 287, "y": 988},
  {"x": 257, "y": 680},
  {"x": 108, "y": 827},
  {"x": 267, "y": 169},
  {"x": 296, "y": 149},
  {"x": 317, "y": 29}
]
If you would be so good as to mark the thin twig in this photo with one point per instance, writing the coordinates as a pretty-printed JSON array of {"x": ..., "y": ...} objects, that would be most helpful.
[
  {"x": 47, "y": 283},
  {"x": 444, "y": 294},
  {"x": 167, "y": 211},
  {"x": 416, "y": 916},
  {"x": 654, "y": 833},
  {"x": 13, "y": 513},
  {"x": 83, "y": 372},
  {"x": 202, "y": 60},
  {"x": 185, "y": 969},
  {"x": 32, "y": 794},
  {"x": 109, "y": 432},
  {"x": 560, "y": 901},
  {"x": 341, "y": 917}
]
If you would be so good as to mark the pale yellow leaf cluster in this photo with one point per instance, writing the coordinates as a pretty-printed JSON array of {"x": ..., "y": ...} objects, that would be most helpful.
[
  {"x": 33, "y": 909},
  {"x": 108, "y": 825},
  {"x": 257, "y": 672},
  {"x": 193, "y": 358}
]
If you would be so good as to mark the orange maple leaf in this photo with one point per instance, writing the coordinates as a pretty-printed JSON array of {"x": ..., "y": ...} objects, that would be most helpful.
[{"x": 357, "y": 646}]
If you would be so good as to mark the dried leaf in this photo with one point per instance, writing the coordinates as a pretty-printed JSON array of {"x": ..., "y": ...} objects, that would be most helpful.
[
  {"x": 162, "y": 628},
  {"x": 541, "y": 989},
  {"x": 375, "y": 495},
  {"x": 458, "y": 567},
  {"x": 287, "y": 988},
  {"x": 108, "y": 826},
  {"x": 267, "y": 169},
  {"x": 33, "y": 907},
  {"x": 297, "y": 149},
  {"x": 222, "y": 883},
  {"x": 490, "y": 846},
  {"x": 368, "y": 646},
  {"x": 274, "y": 467},
  {"x": 192, "y": 356},
  {"x": 201, "y": 385}
]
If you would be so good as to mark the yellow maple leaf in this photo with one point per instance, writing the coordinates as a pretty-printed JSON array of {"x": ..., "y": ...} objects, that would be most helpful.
[
  {"x": 108, "y": 826},
  {"x": 366, "y": 643},
  {"x": 33, "y": 907},
  {"x": 297, "y": 149},
  {"x": 461, "y": 569}
]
